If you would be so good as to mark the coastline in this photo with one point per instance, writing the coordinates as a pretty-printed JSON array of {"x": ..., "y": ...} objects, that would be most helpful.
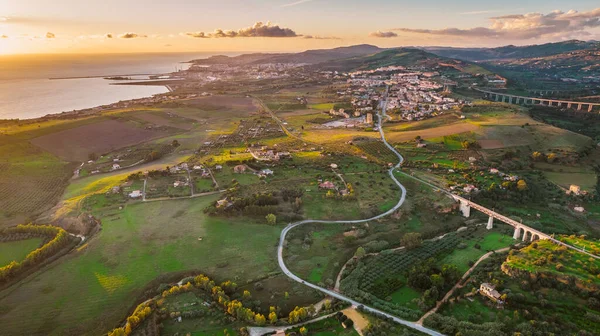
[{"x": 99, "y": 108}]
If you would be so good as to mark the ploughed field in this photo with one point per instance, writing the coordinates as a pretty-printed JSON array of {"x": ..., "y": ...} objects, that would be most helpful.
[{"x": 78, "y": 143}]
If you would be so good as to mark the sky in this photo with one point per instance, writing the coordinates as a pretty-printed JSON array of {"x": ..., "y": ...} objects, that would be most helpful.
[{"x": 125, "y": 26}]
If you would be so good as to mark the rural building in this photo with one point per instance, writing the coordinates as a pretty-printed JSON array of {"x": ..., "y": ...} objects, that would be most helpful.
[
  {"x": 135, "y": 194},
  {"x": 116, "y": 166},
  {"x": 222, "y": 203},
  {"x": 487, "y": 289},
  {"x": 327, "y": 185},
  {"x": 421, "y": 145},
  {"x": 369, "y": 119},
  {"x": 494, "y": 171},
  {"x": 239, "y": 169},
  {"x": 333, "y": 166},
  {"x": 198, "y": 167},
  {"x": 266, "y": 171},
  {"x": 574, "y": 189},
  {"x": 116, "y": 189},
  {"x": 218, "y": 167},
  {"x": 579, "y": 209}
]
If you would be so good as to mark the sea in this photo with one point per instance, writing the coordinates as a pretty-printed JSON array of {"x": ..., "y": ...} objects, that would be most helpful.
[{"x": 28, "y": 88}]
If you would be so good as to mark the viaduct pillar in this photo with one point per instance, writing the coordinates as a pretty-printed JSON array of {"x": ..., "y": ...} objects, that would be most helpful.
[
  {"x": 517, "y": 233},
  {"x": 465, "y": 209},
  {"x": 579, "y": 107},
  {"x": 490, "y": 223},
  {"x": 590, "y": 108}
]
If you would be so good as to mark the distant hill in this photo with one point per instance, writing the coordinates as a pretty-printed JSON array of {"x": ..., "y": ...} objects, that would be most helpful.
[
  {"x": 513, "y": 52},
  {"x": 586, "y": 61},
  {"x": 400, "y": 57},
  {"x": 308, "y": 57}
]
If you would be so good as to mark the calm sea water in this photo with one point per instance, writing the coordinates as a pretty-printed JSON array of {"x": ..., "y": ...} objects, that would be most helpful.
[{"x": 26, "y": 90}]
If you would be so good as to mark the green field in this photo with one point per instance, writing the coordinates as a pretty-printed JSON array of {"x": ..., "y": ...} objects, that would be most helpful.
[
  {"x": 136, "y": 245},
  {"x": 404, "y": 296},
  {"x": 489, "y": 242},
  {"x": 17, "y": 250}
]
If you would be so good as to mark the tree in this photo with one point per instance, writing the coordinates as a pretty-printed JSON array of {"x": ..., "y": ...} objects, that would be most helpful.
[
  {"x": 360, "y": 252},
  {"x": 411, "y": 240},
  {"x": 551, "y": 157},
  {"x": 303, "y": 331},
  {"x": 273, "y": 317},
  {"x": 260, "y": 319},
  {"x": 93, "y": 156},
  {"x": 246, "y": 295},
  {"x": 175, "y": 143},
  {"x": 327, "y": 304},
  {"x": 437, "y": 280},
  {"x": 537, "y": 156},
  {"x": 271, "y": 219},
  {"x": 521, "y": 185}
]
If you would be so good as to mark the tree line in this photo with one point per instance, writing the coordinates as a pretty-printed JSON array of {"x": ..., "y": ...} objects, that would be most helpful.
[{"x": 59, "y": 241}]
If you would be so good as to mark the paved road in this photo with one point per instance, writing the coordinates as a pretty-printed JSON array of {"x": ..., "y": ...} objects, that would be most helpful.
[{"x": 336, "y": 295}]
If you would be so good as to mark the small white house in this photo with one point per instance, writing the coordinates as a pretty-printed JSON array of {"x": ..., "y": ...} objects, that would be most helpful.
[
  {"x": 135, "y": 194},
  {"x": 116, "y": 166},
  {"x": 267, "y": 171}
]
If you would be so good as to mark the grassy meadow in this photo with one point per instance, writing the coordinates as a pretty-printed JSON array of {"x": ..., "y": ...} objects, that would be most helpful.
[
  {"x": 134, "y": 247},
  {"x": 17, "y": 250}
]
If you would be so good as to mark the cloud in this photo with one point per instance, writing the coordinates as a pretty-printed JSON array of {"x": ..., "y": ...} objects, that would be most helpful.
[
  {"x": 3, "y": 36},
  {"x": 383, "y": 34},
  {"x": 317, "y": 37},
  {"x": 296, "y": 3},
  {"x": 196, "y": 35},
  {"x": 556, "y": 24},
  {"x": 131, "y": 36},
  {"x": 108, "y": 35},
  {"x": 50, "y": 35},
  {"x": 259, "y": 29}
]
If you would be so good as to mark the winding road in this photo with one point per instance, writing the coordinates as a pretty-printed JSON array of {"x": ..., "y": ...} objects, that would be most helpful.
[{"x": 331, "y": 293}]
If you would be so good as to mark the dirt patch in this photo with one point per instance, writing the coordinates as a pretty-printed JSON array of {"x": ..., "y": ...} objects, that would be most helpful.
[
  {"x": 300, "y": 113},
  {"x": 353, "y": 233},
  {"x": 490, "y": 144},
  {"x": 77, "y": 143},
  {"x": 159, "y": 120},
  {"x": 223, "y": 102},
  {"x": 431, "y": 132},
  {"x": 360, "y": 322}
]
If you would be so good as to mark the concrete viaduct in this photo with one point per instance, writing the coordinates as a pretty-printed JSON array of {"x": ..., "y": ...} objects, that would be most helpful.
[
  {"x": 529, "y": 234},
  {"x": 521, "y": 100}
]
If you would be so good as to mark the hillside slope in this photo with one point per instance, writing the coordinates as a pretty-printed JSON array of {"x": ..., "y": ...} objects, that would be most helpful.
[
  {"x": 513, "y": 52},
  {"x": 308, "y": 56}
]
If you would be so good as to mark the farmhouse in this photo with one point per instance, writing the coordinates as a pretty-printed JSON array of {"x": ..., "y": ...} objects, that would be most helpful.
[
  {"x": 487, "y": 289},
  {"x": 116, "y": 166},
  {"x": 574, "y": 189},
  {"x": 239, "y": 169},
  {"x": 135, "y": 194},
  {"x": 266, "y": 171},
  {"x": 327, "y": 185}
]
